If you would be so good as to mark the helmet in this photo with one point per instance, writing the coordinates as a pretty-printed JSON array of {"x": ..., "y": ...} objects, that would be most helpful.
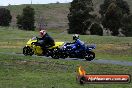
[
  {"x": 75, "y": 36},
  {"x": 42, "y": 32}
]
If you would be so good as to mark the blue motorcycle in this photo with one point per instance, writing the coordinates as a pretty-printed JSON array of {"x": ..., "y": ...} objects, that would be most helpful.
[{"x": 78, "y": 49}]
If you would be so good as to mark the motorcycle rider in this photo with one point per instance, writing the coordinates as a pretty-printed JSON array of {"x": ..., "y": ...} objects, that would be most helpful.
[
  {"x": 78, "y": 44},
  {"x": 45, "y": 41}
]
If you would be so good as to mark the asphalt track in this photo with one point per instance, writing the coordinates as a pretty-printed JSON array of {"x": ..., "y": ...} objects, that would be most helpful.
[{"x": 123, "y": 63}]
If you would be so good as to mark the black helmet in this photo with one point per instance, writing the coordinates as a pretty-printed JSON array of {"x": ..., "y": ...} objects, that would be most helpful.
[{"x": 75, "y": 36}]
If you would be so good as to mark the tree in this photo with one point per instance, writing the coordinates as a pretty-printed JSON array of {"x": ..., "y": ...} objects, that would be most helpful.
[
  {"x": 123, "y": 5},
  {"x": 5, "y": 17},
  {"x": 104, "y": 7},
  {"x": 26, "y": 20},
  {"x": 112, "y": 12},
  {"x": 19, "y": 21},
  {"x": 96, "y": 29},
  {"x": 127, "y": 25},
  {"x": 79, "y": 16},
  {"x": 112, "y": 19}
]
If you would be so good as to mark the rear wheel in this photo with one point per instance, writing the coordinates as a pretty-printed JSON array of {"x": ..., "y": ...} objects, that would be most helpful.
[
  {"x": 27, "y": 51},
  {"x": 89, "y": 56},
  {"x": 63, "y": 54},
  {"x": 55, "y": 54}
]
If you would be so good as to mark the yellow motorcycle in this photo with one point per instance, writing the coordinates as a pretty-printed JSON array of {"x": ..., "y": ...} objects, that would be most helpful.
[{"x": 32, "y": 49}]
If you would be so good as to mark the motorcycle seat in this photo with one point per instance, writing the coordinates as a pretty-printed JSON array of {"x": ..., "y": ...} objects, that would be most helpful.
[{"x": 91, "y": 46}]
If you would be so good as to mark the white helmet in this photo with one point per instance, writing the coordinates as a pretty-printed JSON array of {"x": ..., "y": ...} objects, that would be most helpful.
[
  {"x": 42, "y": 32},
  {"x": 75, "y": 36}
]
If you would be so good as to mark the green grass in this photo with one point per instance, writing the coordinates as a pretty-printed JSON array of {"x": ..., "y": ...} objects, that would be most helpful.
[
  {"x": 37, "y": 72},
  {"x": 107, "y": 47}
]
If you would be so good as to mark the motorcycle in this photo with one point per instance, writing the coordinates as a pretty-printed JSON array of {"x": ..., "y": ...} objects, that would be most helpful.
[
  {"x": 74, "y": 50},
  {"x": 32, "y": 49}
]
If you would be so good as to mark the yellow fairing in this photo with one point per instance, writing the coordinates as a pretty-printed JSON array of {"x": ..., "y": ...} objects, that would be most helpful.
[
  {"x": 57, "y": 44},
  {"x": 29, "y": 43},
  {"x": 38, "y": 50}
]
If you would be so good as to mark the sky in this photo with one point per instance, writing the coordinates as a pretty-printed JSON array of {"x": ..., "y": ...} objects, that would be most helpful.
[{"x": 18, "y": 2}]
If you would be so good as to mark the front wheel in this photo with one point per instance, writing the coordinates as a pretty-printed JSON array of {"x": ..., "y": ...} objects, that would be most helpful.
[
  {"x": 27, "y": 51},
  {"x": 89, "y": 56}
]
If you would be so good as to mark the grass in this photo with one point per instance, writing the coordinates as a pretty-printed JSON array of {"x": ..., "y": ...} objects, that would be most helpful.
[
  {"x": 37, "y": 72},
  {"x": 18, "y": 71},
  {"x": 107, "y": 47}
]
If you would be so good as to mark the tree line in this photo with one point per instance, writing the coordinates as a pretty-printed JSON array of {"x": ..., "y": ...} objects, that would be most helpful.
[
  {"x": 115, "y": 17},
  {"x": 25, "y": 21}
]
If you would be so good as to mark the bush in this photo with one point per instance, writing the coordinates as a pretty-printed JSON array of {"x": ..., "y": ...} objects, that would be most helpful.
[
  {"x": 96, "y": 29},
  {"x": 112, "y": 12},
  {"x": 127, "y": 25},
  {"x": 5, "y": 17},
  {"x": 79, "y": 17},
  {"x": 26, "y": 20}
]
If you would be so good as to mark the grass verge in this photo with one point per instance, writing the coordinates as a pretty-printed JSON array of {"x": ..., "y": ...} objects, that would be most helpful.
[{"x": 37, "y": 72}]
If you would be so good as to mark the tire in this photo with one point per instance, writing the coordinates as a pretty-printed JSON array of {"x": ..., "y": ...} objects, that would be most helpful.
[
  {"x": 55, "y": 54},
  {"x": 89, "y": 56},
  {"x": 63, "y": 55},
  {"x": 27, "y": 51}
]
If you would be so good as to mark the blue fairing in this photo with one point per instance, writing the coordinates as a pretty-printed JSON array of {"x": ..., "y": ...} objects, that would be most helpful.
[
  {"x": 78, "y": 49},
  {"x": 90, "y": 47},
  {"x": 78, "y": 45}
]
